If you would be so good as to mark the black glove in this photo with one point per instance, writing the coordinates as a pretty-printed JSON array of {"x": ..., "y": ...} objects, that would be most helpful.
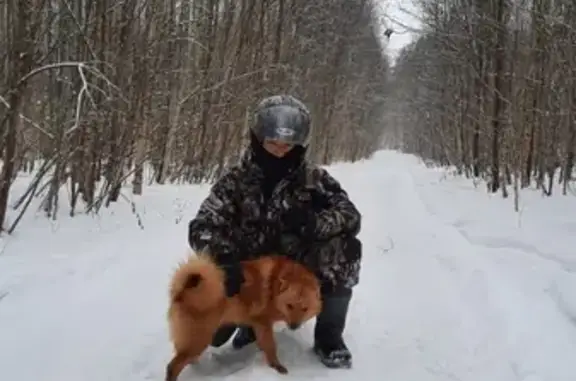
[
  {"x": 234, "y": 277},
  {"x": 301, "y": 222}
]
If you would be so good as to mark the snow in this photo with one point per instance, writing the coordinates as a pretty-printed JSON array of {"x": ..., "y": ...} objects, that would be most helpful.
[{"x": 455, "y": 286}]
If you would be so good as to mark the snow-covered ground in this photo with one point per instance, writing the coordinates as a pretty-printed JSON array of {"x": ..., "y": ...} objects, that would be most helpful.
[{"x": 455, "y": 286}]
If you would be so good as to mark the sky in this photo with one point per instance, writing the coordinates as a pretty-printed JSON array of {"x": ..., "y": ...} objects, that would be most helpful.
[{"x": 401, "y": 16}]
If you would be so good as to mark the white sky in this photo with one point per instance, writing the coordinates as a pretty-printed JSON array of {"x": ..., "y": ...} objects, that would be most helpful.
[{"x": 400, "y": 15}]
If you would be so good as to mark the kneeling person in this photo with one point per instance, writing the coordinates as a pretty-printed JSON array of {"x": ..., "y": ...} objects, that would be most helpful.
[{"x": 275, "y": 201}]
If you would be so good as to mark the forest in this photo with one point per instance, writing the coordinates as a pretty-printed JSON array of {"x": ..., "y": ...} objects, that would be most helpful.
[
  {"x": 489, "y": 88},
  {"x": 100, "y": 97}
]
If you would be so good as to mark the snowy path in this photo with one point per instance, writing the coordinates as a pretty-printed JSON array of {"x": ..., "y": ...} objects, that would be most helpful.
[{"x": 436, "y": 302}]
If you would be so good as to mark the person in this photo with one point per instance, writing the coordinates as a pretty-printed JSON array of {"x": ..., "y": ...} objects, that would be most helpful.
[{"x": 274, "y": 200}]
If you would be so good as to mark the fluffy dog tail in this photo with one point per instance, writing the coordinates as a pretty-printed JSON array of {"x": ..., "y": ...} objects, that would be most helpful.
[{"x": 198, "y": 284}]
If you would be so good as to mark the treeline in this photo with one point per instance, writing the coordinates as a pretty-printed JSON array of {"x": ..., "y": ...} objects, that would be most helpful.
[
  {"x": 92, "y": 92},
  {"x": 490, "y": 87}
]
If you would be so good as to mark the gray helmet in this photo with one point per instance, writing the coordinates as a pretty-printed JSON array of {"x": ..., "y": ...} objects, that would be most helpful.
[{"x": 282, "y": 117}]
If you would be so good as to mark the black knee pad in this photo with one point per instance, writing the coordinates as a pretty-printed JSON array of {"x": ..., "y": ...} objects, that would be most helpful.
[{"x": 352, "y": 249}]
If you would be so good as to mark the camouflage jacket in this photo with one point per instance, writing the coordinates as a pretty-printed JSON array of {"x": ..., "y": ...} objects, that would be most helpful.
[{"x": 235, "y": 221}]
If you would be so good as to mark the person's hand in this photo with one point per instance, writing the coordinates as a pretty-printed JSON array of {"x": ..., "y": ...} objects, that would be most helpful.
[
  {"x": 234, "y": 277},
  {"x": 302, "y": 222}
]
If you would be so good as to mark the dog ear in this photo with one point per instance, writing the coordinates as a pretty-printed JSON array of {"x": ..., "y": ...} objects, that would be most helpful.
[
  {"x": 283, "y": 285},
  {"x": 279, "y": 281}
]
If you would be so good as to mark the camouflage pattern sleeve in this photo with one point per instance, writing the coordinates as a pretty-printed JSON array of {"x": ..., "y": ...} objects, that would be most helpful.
[
  {"x": 341, "y": 215},
  {"x": 212, "y": 229}
]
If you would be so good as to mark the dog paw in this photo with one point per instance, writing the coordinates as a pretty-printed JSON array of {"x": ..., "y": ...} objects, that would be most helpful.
[{"x": 279, "y": 368}]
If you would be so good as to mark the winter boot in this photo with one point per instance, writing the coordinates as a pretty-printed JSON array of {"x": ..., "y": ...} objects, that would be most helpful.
[
  {"x": 329, "y": 345},
  {"x": 244, "y": 337},
  {"x": 223, "y": 334}
]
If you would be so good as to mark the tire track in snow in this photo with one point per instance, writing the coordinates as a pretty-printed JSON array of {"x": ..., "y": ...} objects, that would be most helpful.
[
  {"x": 523, "y": 313},
  {"x": 499, "y": 243},
  {"x": 512, "y": 247},
  {"x": 432, "y": 310}
]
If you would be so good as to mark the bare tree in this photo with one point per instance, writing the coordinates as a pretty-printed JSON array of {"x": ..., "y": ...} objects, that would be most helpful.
[
  {"x": 99, "y": 94},
  {"x": 489, "y": 88}
]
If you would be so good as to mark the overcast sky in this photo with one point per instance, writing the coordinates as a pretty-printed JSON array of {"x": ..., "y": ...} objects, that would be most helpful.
[{"x": 399, "y": 14}]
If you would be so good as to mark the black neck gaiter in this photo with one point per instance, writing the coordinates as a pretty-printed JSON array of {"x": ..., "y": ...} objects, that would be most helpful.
[{"x": 274, "y": 168}]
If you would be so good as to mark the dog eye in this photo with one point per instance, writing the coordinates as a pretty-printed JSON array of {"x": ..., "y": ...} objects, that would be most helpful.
[
  {"x": 290, "y": 306},
  {"x": 304, "y": 309}
]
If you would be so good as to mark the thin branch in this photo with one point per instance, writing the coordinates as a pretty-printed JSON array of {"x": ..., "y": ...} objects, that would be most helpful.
[{"x": 25, "y": 118}]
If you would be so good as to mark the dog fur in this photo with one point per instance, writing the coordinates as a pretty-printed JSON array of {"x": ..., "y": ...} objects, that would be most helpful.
[{"x": 275, "y": 289}]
